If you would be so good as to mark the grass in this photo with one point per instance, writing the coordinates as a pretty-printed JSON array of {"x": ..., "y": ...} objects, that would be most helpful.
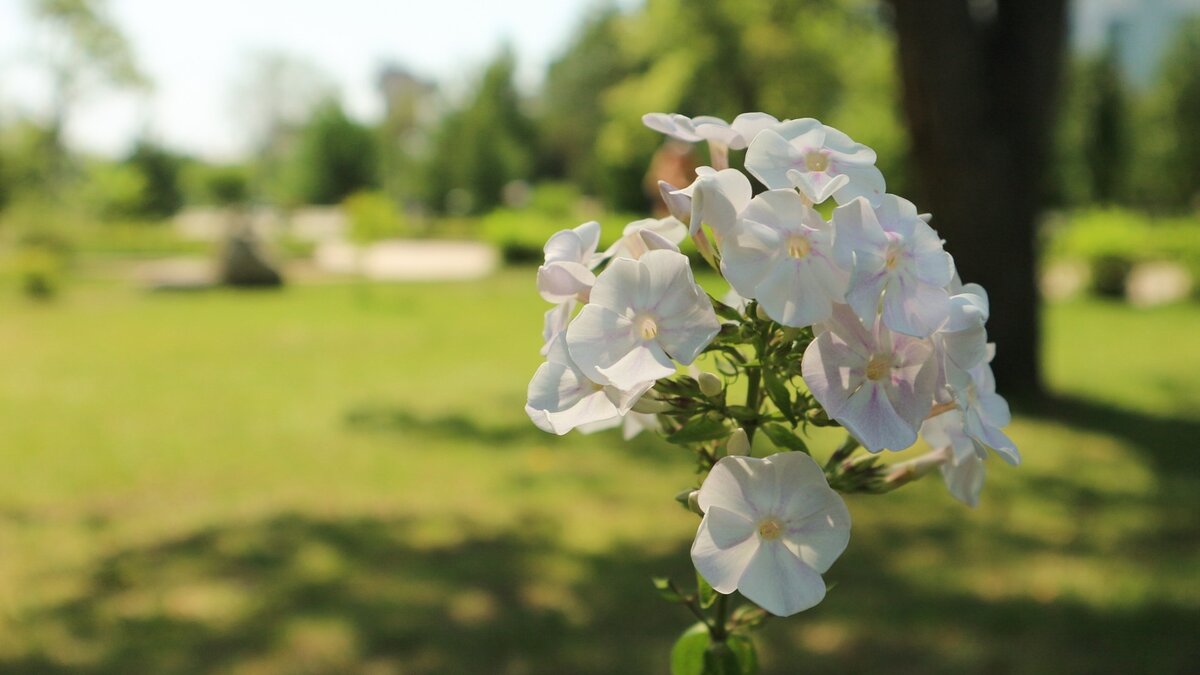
[{"x": 339, "y": 479}]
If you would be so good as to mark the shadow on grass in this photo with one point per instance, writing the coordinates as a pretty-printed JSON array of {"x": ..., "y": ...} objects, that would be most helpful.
[
  {"x": 295, "y": 594},
  {"x": 390, "y": 419},
  {"x": 1168, "y": 443}
]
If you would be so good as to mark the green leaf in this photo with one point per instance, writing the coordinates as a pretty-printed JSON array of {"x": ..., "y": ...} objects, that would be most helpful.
[
  {"x": 784, "y": 438},
  {"x": 707, "y": 595},
  {"x": 747, "y": 658},
  {"x": 741, "y": 413},
  {"x": 699, "y": 429},
  {"x": 778, "y": 391},
  {"x": 687, "y": 656},
  {"x": 724, "y": 311},
  {"x": 666, "y": 589},
  {"x": 695, "y": 654}
]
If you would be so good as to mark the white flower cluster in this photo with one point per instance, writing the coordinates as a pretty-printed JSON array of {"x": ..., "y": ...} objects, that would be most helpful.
[{"x": 899, "y": 347}]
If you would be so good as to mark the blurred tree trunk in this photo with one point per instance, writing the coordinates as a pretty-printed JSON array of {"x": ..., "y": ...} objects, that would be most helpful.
[{"x": 980, "y": 81}]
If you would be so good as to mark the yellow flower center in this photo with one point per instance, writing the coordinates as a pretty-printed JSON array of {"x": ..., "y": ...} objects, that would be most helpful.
[
  {"x": 816, "y": 161},
  {"x": 879, "y": 366},
  {"x": 892, "y": 258},
  {"x": 798, "y": 247},
  {"x": 647, "y": 328},
  {"x": 770, "y": 528}
]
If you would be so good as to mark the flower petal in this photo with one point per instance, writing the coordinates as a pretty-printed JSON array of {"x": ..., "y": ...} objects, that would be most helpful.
[
  {"x": 779, "y": 582},
  {"x": 723, "y": 565}
]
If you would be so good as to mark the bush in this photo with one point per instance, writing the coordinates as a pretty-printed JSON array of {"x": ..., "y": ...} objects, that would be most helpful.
[
  {"x": 39, "y": 271},
  {"x": 521, "y": 233},
  {"x": 1112, "y": 241},
  {"x": 373, "y": 216}
]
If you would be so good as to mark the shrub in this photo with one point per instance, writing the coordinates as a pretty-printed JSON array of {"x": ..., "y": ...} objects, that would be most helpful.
[{"x": 373, "y": 216}]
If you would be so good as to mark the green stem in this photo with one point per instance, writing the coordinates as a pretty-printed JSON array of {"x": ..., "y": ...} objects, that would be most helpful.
[
  {"x": 717, "y": 628},
  {"x": 753, "y": 376}
]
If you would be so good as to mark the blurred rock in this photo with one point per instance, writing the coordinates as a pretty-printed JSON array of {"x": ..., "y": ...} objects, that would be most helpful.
[
  {"x": 1157, "y": 283},
  {"x": 243, "y": 263},
  {"x": 1064, "y": 279},
  {"x": 399, "y": 260}
]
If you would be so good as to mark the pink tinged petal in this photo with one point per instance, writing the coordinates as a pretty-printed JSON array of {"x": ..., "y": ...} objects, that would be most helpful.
[
  {"x": 865, "y": 289},
  {"x": 849, "y": 329},
  {"x": 964, "y": 478},
  {"x": 769, "y": 158},
  {"x": 720, "y": 552},
  {"x": 746, "y": 253},
  {"x": 869, "y": 415},
  {"x": 840, "y": 143},
  {"x": 898, "y": 215},
  {"x": 860, "y": 181},
  {"x": 857, "y": 230},
  {"x": 779, "y": 582},
  {"x": 818, "y": 186},
  {"x": 933, "y": 265},
  {"x": 791, "y": 294},
  {"x": 748, "y": 125},
  {"x": 821, "y": 536},
  {"x": 562, "y": 281},
  {"x": 913, "y": 307},
  {"x": 965, "y": 348},
  {"x": 832, "y": 372},
  {"x": 599, "y": 337},
  {"x": 914, "y": 378},
  {"x": 946, "y": 431}
]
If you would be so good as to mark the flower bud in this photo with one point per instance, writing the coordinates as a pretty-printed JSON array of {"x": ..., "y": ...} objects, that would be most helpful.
[
  {"x": 693, "y": 502},
  {"x": 650, "y": 405},
  {"x": 710, "y": 385},
  {"x": 739, "y": 443},
  {"x": 761, "y": 313}
]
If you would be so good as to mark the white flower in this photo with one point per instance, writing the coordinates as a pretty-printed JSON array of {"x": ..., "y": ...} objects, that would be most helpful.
[
  {"x": 570, "y": 257},
  {"x": 963, "y": 469},
  {"x": 771, "y": 527},
  {"x": 561, "y": 397},
  {"x": 895, "y": 256},
  {"x": 735, "y": 135},
  {"x": 648, "y": 234},
  {"x": 781, "y": 253},
  {"x": 984, "y": 412},
  {"x": 635, "y": 423},
  {"x": 818, "y": 159},
  {"x": 877, "y": 384},
  {"x": 962, "y": 339},
  {"x": 715, "y": 199},
  {"x": 554, "y": 323},
  {"x": 642, "y": 314}
]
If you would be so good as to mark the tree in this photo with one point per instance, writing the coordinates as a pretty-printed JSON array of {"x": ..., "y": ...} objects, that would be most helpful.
[
  {"x": 481, "y": 147},
  {"x": 980, "y": 82},
  {"x": 272, "y": 100},
  {"x": 162, "y": 194},
  {"x": 335, "y": 158},
  {"x": 1179, "y": 92},
  {"x": 1106, "y": 145},
  {"x": 83, "y": 49}
]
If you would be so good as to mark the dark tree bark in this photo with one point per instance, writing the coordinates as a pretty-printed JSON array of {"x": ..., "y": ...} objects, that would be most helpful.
[{"x": 980, "y": 81}]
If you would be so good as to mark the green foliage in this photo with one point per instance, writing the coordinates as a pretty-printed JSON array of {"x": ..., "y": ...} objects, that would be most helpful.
[
  {"x": 481, "y": 147},
  {"x": 217, "y": 185},
  {"x": 39, "y": 270},
  {"x": 520, "y": 233},
  {"x": 1178, "y": 101},
  {"x": 112, "y": 191},
  {"x": 336, "y": 157},
  {"x": 373, "y": 216},
  {"x": 161, "y": 192},
  {"x": 695, "y": 653},
  {"x": 1112, "y": 240}
]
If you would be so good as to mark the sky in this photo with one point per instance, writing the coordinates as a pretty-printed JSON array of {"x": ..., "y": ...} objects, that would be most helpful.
[{"x": 195, "y": 51}]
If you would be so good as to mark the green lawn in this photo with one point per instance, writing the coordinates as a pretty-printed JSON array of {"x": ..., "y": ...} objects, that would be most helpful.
[{"x": 340, "y": 479}]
